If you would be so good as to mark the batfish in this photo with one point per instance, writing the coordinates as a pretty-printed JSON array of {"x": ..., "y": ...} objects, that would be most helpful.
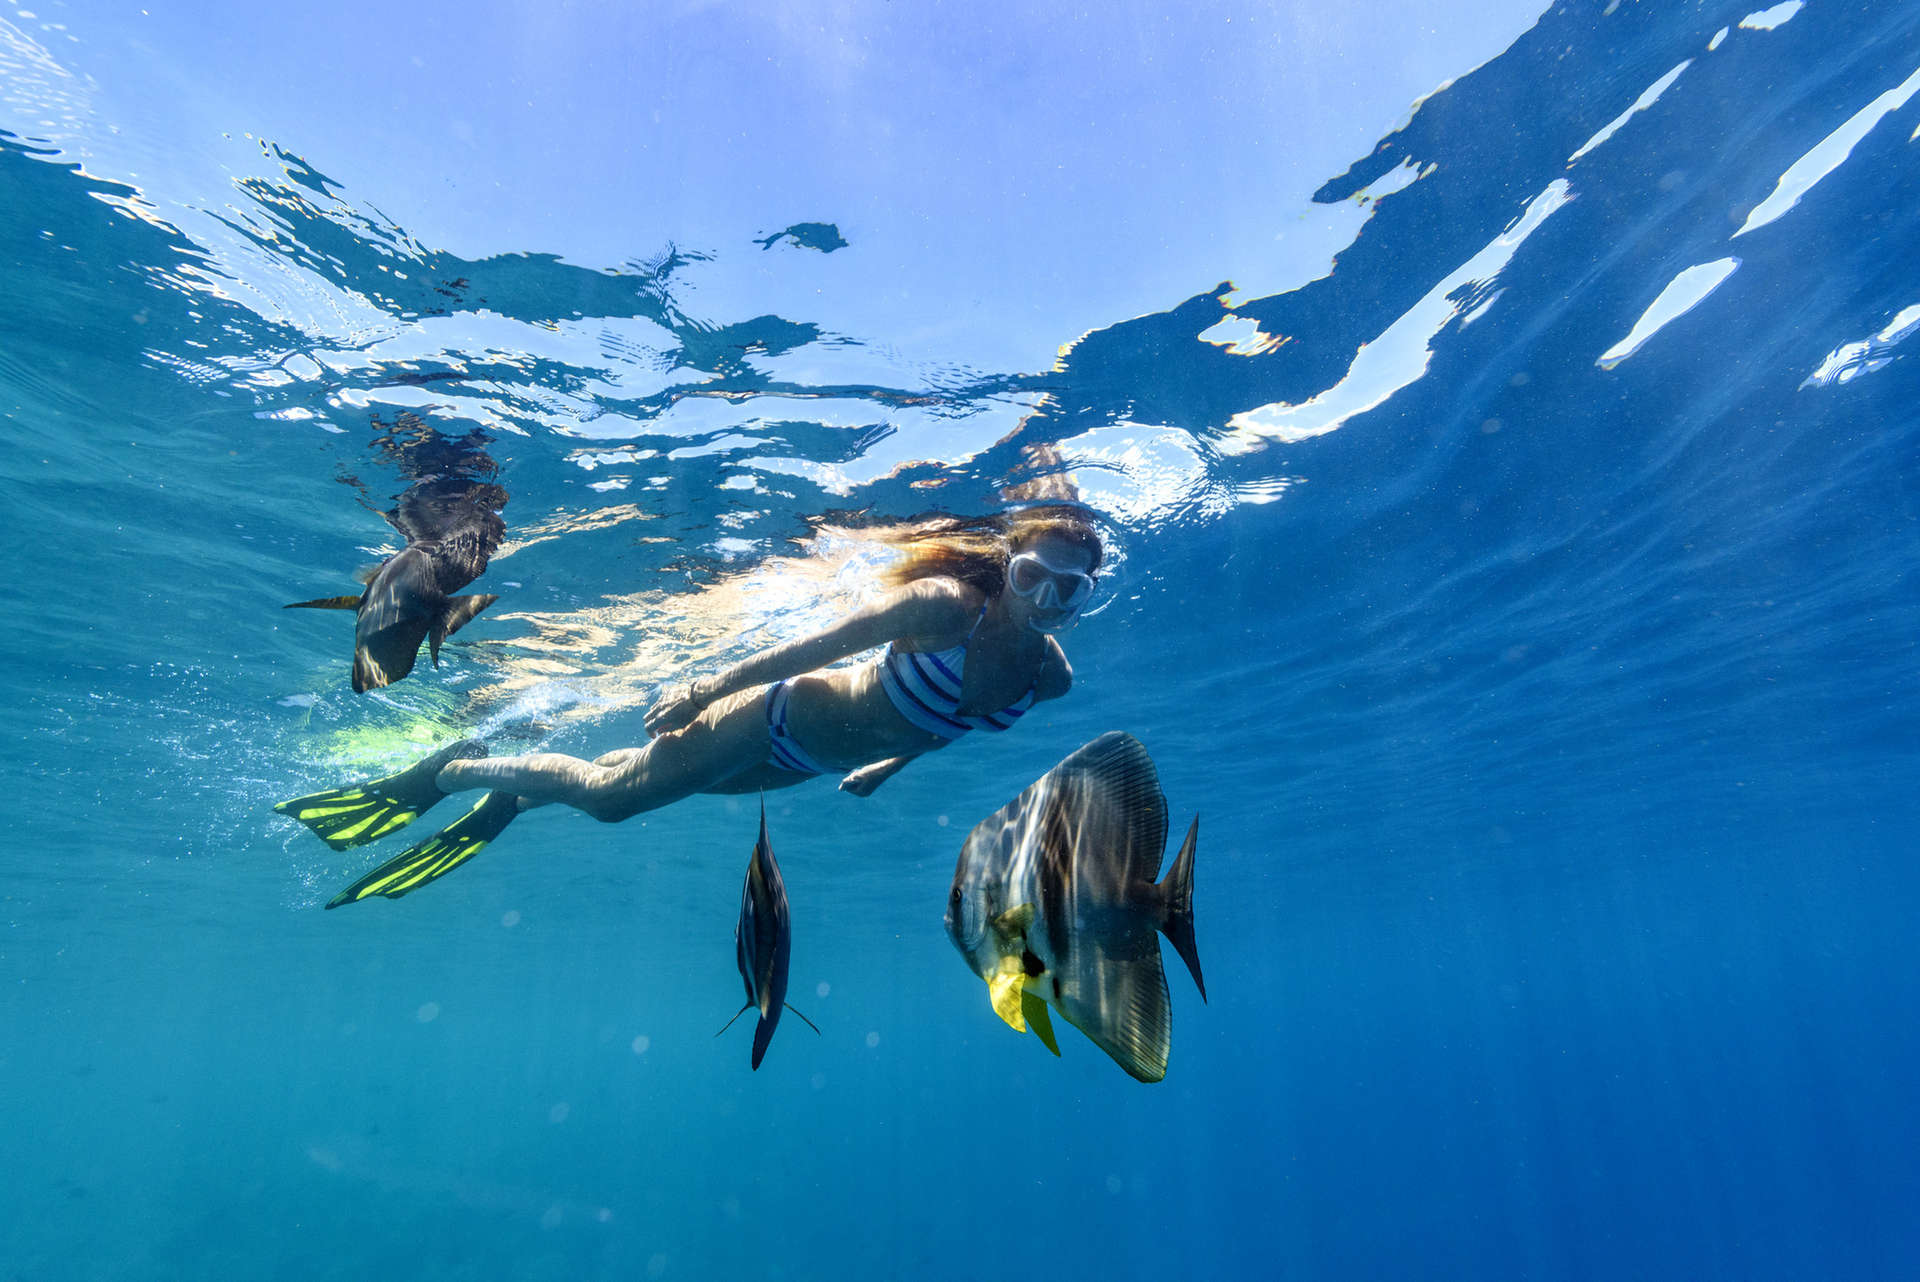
[
  {"x": 452, "y": 526},
  {"x": 1054, "y": 904},
  {"x": 761, "y": 941}
]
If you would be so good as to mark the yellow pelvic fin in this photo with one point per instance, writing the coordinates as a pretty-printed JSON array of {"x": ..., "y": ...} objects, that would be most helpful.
[
  {"x": 1004, "y": 989},
  {"x": 1035, "y": 1008}
]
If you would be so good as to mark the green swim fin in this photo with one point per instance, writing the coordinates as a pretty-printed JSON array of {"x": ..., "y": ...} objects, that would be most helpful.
[
  {"x": 438, "y": 855},
  {"x": 364, "y": 812}
]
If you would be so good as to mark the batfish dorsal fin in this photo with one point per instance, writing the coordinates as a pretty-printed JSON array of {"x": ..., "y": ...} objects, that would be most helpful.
[{"x": 1124, "y": 788}]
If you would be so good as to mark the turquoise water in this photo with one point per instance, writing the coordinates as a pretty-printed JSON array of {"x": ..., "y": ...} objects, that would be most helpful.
[{"x": 1537, "y": 651}]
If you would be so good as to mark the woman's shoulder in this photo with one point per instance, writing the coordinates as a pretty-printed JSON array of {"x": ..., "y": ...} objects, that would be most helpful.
[{"x": 938, "y": 605}]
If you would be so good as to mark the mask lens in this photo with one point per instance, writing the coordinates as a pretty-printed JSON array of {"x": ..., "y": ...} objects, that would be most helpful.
[
  {"x": 1047, "y": 586},
  {"x": 1026, "y": 574}
]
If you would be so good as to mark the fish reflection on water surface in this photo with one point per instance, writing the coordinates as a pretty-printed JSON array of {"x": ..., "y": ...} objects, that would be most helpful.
[{"x": 450, "y": 518}]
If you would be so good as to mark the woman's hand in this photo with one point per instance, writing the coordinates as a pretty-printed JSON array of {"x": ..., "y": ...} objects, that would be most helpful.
[
  {"x": 863, "y": 781},
  {"x": 675, "y": 709}
]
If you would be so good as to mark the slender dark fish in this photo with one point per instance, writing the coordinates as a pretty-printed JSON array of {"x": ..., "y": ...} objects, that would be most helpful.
[
  {"x": 1054, "y": 903},
  {"x": 762, "y": 940},
  {"x": 450, "y": 519}
]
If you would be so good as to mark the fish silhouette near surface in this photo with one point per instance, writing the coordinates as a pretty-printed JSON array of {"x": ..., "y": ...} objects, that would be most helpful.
[
  {"x": 762, "y": 940},
  {"x": 451, "y": 522},
  {"x": 1054, "y": 904},
  {"x": 824, "y": 237}
]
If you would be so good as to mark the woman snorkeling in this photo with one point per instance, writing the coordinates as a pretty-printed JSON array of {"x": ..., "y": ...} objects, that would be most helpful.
[{"x": 968, "y": 630}]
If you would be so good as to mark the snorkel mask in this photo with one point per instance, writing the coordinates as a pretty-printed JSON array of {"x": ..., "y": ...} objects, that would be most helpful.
[{"x": 1032, "y": 577}]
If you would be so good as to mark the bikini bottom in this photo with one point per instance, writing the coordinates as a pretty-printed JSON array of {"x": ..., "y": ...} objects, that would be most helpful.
[{"x": 783, "y": 749}]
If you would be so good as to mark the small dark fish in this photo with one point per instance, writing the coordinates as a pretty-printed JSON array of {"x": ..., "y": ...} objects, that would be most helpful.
[
  {"x": 452, "y": 526},
  {"x": 761, "y": 940},
  {"x": 1054, "y": 903},
  {"x": 824, "y": 237}
]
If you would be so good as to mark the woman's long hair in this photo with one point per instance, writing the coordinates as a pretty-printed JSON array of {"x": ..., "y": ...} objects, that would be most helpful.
[{"x": 976, "y": 549}]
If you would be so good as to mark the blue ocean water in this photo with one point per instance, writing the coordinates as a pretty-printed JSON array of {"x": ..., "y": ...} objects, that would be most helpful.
[{"x": 1526, "y": 606}]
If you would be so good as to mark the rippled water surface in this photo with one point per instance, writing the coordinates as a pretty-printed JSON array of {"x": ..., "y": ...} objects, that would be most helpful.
[{"x": 1514, "y": 500}]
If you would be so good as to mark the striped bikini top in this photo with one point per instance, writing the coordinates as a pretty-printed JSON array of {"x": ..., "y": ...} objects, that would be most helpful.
[{"x": 924, "y": 687}]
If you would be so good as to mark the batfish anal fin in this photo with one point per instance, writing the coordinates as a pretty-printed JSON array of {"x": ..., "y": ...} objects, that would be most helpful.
[
  {"x": 1035, "y": 1009},
  {"x": 1119, "y": 1000},
  {"x": 326, "y": 603}
]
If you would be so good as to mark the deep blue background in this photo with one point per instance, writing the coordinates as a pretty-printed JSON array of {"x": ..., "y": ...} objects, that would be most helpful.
[{"x": 1553, "y": 736}]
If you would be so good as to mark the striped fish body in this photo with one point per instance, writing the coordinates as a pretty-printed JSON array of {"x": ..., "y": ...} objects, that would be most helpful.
[
  {"x": 1054, "y": 903},
  {"x": 763, "y": 939}
]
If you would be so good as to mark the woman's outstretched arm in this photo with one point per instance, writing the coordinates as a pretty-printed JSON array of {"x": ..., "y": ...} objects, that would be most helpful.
[{"x": 931, "y": 607}]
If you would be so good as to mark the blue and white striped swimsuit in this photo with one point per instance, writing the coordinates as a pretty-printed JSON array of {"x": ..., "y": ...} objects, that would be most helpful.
[
  {"x": 783, "y": 750},
  {"x": 924, "y": 686}
]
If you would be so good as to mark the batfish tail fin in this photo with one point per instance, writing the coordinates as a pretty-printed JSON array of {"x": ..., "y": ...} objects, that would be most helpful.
[
  {"x": 325, "y": 603},
  {"x": 1176, "y": 890},
  {"x": 458, "y": 614}
]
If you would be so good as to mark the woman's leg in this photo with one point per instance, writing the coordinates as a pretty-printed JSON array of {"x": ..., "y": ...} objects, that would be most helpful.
[
  {"x": 729, "y": 737},
  {"x": 764, "y": 777}
]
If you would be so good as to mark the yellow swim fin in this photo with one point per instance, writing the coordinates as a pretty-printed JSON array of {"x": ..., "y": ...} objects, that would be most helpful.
[
  {"x": 438, "y": 855},
  {"x": 364, "y": 812}
]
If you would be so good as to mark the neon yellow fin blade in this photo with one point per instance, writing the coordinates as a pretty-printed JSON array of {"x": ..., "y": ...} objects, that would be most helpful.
[
  {"x": 438, "y": 855},
  {"x": 365, "y": 812}
]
